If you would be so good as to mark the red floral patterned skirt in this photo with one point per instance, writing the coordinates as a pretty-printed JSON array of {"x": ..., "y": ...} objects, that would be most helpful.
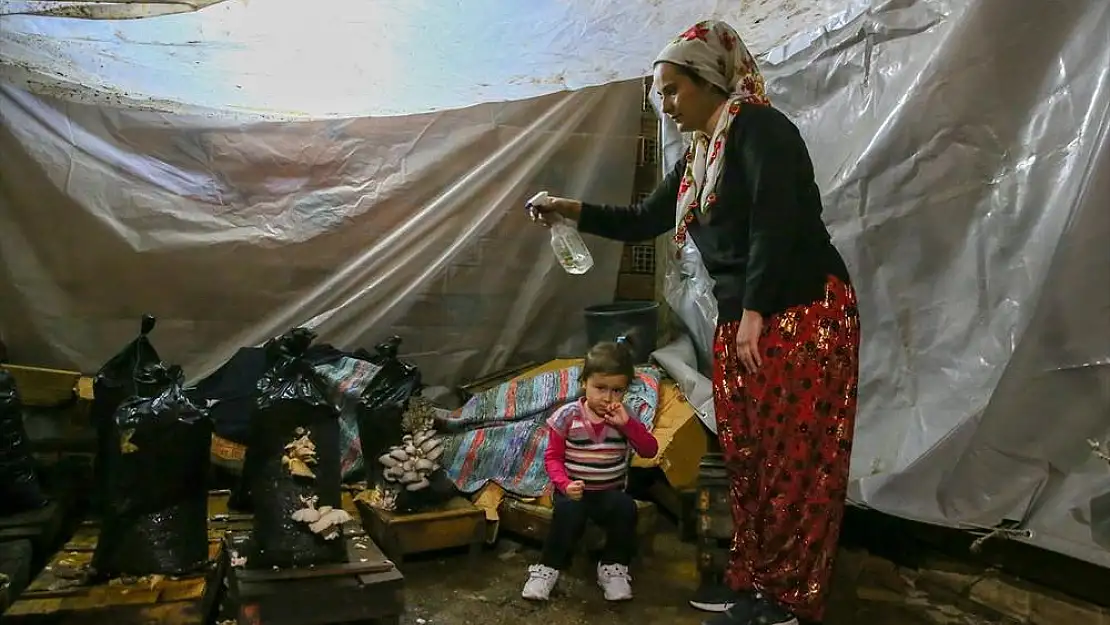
[{"x": 786, "y": 433}]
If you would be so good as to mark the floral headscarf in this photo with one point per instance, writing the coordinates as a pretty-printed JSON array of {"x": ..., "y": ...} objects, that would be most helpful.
[{"x": 713, "y": 51}]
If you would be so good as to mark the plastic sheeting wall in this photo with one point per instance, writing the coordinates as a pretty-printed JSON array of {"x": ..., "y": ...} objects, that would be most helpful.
[
  {"x": 234, "y": 233},
  {"x": 961, "y": 145}
]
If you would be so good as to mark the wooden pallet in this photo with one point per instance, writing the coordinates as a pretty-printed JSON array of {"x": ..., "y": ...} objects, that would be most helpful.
[
  {"x": 366, "y": 588},
  {"x": 458, "y": 523},
  {"x": 58, "y": 595}
]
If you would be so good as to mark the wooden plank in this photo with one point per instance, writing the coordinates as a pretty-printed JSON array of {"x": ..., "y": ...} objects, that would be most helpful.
[{"x": 47, "y": 388}]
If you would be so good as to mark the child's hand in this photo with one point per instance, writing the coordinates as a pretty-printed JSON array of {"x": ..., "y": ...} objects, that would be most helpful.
[
  {"x": 616, "y": 415},
  {"x": 575, "y": 490}
]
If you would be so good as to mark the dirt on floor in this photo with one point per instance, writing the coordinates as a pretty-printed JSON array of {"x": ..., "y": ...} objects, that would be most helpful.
[{"x": 448, "y": 590}]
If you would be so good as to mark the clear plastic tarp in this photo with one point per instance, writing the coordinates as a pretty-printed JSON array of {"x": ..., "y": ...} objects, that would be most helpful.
[{"x": 239, "y": 177}]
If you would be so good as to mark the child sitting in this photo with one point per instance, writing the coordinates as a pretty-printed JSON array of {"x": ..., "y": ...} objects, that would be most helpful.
[{"x": 587, "y": 460}]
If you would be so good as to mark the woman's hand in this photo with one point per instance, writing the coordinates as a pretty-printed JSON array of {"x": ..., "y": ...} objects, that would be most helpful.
[
  {"x": 566, "y": 208},
  {"x": 747, "y": 340}
]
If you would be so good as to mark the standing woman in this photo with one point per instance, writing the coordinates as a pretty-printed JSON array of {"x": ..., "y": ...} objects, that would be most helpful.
[{"x": 786, "y": 347}]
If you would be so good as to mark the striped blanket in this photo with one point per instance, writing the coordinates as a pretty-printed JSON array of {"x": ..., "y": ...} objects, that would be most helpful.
[
  {"x": 498, "y": 434},
  {"x": 346, "y": 379}
]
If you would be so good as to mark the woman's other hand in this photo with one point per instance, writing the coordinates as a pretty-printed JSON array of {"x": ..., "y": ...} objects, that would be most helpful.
[{"x": 747, "y": 340}]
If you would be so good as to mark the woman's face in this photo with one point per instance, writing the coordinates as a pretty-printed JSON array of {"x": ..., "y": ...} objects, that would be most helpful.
[{"x": 687, "y": 102}]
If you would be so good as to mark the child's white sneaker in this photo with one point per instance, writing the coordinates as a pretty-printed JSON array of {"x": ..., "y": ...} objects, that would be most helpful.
[
  {"x": 614, "y": 581},
  {"x": 541, "y": 579}
]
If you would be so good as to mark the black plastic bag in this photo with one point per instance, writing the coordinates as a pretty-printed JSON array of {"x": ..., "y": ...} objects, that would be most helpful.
[
  {"x": 20, "y": 490},
  {"x": 382, "y": 406},
  {"x": 155, "y": 518},
  {"x": 292, "y": 412},
  {"x": 114, "y": 383}
]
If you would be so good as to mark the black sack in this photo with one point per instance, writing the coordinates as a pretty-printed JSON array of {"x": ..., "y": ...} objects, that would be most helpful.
[
  {"x": 292, "y": 405},
  {"x": 114, "y": 383},
  {"x": 382, "y": 405},
  {"x": 156, "y": 457},
  {"x": 20, "y": 490}
]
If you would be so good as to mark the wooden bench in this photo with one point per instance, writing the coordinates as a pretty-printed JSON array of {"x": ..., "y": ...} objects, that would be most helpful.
[
  {"x": 458, "y": 523},
  {"x": 533, "y": 521}
]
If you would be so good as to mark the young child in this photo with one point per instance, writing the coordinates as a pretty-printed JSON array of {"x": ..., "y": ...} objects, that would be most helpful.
[{"x": 587, "y": 460}]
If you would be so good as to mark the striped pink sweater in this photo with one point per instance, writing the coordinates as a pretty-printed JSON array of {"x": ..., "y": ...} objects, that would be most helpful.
[{"x": 595, "y": 453}]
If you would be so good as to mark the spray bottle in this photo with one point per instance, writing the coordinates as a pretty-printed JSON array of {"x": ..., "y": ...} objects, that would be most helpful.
[{"x": 569, "y": 248}]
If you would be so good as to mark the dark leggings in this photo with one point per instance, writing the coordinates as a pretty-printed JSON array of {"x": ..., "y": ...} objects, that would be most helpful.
[{"x": 613, "y": 510}]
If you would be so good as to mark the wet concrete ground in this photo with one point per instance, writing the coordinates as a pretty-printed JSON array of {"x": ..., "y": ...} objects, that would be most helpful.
[{"x": 445, "y": 590}]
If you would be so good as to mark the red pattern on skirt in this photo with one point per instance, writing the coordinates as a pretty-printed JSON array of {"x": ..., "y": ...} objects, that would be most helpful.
[{"x": 786, "y": 433}]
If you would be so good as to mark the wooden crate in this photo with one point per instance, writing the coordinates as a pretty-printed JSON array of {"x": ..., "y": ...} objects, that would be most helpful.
[
  {"x": 456, "y": 524},
  {"x": 56, "y": 596},
  {"x": 533, "y": 521},
  {"x": 366, "y": 588},
  {"x": 682, "y": 504}
]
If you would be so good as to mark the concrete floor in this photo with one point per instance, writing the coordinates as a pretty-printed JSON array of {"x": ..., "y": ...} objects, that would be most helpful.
[{"x": 445, "y": 590}]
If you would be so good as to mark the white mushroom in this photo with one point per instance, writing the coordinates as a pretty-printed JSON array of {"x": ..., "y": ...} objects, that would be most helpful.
[
  {"x": 423, "y": 483},
  {"x": 434, "y": 453},
  {"x": 330, "y": 523}
]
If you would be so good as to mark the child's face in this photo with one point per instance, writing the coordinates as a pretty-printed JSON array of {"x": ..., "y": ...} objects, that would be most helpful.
[{"x": 604, "y": 389}]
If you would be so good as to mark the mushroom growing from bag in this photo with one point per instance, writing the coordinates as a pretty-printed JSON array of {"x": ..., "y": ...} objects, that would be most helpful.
[
  {"x": 410, "y": 463},
  {"x": 327, "y": 522}
]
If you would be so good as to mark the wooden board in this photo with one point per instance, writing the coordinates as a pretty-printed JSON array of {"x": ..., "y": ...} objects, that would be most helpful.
[
  {"x": 57, "y": 596},
  {"x": 456, "y": 524},
  {"x": 47, "y": 388},
  {"x": 366, "y": 588},
  {"x": 534, "y": 521}
]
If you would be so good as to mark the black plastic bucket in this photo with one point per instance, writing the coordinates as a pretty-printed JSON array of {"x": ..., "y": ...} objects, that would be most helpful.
[{"x": 635, "y": 319}]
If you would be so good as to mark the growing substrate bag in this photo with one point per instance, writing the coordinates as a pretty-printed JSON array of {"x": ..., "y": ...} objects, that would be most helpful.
[
  {"x": 382, "y": 406},
  {"x": 114, "y": 383},
  {"x": 155, "y": 463},
  {"x": 20, "y": 490},
  {"x": 292, "y": 463}
]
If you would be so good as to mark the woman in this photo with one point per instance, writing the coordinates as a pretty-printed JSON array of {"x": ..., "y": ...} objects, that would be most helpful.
[{"x": 786, "y": 347}]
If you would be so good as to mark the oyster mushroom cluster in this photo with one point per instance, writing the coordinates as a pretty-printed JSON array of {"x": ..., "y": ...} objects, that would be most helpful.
[
  {"x": 410, "y": 463},
  {"x": 327, "y": 522}
]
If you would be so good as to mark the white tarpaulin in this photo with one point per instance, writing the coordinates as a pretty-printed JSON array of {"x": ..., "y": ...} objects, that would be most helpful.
[{"x": 961, "y": 146}]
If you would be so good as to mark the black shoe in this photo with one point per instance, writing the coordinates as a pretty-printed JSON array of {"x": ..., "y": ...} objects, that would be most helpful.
[
  {"x": 767, "y": 612},
  {"x": 714, "y": 598},
  {"x": 740, "y": 612}
]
